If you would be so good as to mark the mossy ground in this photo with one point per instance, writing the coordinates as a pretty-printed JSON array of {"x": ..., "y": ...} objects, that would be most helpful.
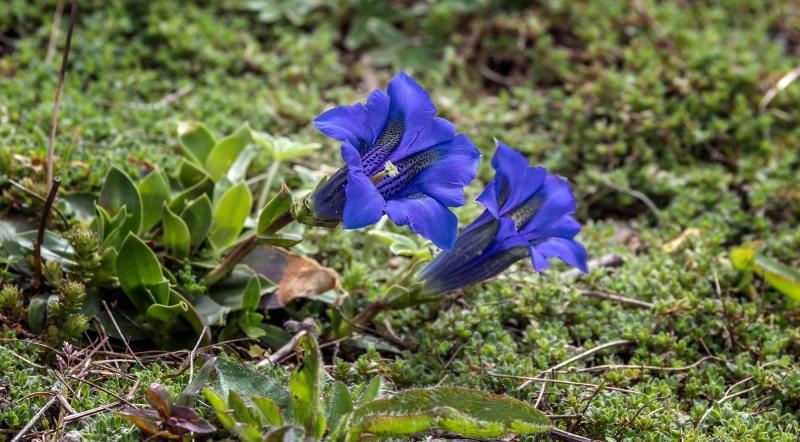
[{"x": 660, "y": 97}]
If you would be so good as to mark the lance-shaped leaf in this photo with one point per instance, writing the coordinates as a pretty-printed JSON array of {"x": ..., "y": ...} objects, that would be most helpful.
[
  {"x": 224, "y": 153},
  {"x": 282, "y": 148},
  {"x": 785, "y": 279},
  {"x": 118, "y": 191},
  {"x": 189, "y": 394},
  {"x": 372, "y": 391},
  {"x": 197, "y": 215},
  {"x": 340, "y": 409},
  {"x": 138, "y": 269},
  {"x": 159, "y": 399},
  {"x": 189, "y": 173},
  {"x": 196, "y": 141},
  {"x": 306, "y": 387},
  {"x": 229, "y": 215},
  {"x": 204, "y": 187},
  {"x": 269, "y": 412},
  {"x": 467, "y": 412},
  {"x": 177, "y": 241},
  {"x": 289, "y": 433},
  {"x": 295, "y": 275},
  {"x": 154, "y": 190},
  {"x": 276, "y": 207}
]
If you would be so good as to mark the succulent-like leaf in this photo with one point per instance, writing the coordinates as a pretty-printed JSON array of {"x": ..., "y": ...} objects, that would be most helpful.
[
  {"x": 277, "y": 206},
  {"x": 196, "y": 141},
  {"x": 190, "y": 173},
  {"x": 118, "y": 191},
  {"x": 138, "y": 269},
  {"x": 198, "y": 217},
  {"x": 164, "y": 313},
  {"x": 230, "y": 214},
  {"x": 224, "y": 153},
  {"x": 177, "y": 240},
  {"x": 154, "y": 190},
  {"x": 252, "y": 295}
]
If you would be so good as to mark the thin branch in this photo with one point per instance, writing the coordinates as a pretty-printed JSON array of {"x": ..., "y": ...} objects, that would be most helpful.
[
  {"x": 33, "y": 194},
  {"x": 617, "y": 298},
  {"x": 106, "y": 391},
  {"x": 37, "y": 246},
  {"x": 610, "y": 260},
  {"x": 54, "y": 31},
  {"x": 782, "y": 84},
  {"x": 643, "y": 367},
  {"x": 558, "y": 381},
  {"x": 35, "y": 419},
  {"x": 121, "y": 336},
  {"x": 563, "y": 436},
  {"x": 634, "y": 193},
  {"x": 283, "y": 351},
  {"x": 160, "y": 104},
  {"x": 60, "y": 87},
  {"x": 191, "y": 354}
]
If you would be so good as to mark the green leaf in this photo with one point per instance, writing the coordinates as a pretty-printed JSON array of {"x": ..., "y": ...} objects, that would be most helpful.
[
  {"x": 305, "y": 386},
  {"x": 138, "y": 269},
  {"x": 130, "y": 330},
  {"x": 269, "y": 411},
  {"x": 37, "y": 312},
  {"x": 284, "y": 240},
  {"x": 238, "y": 169},
  {"x": 80, "y": 205},
  {"x": 118, "y": 191},
  {"x": 189, "y": 173},
  {"x": 245, "y": 432},
  {"x": 785, "y": 279},
  {"x": 177, "y": 240},
  {"x": 252, "y": 295},
  {"x": 229, "y": 291},
  {"x": 289, "y": 433},
  {"x": 341, "y": 407},
  {"x": 154, "y": 190},
  {"x": 190, "y": 315},
  {"x": 198, "y": 217},
  {"x": 204, "y": 187},
  {"x": 164, "y": 313},
  {"x": 189, "y": 394},
  {"x": 277, "y": 206},
  {"x": 247, "y": 383},
  {"x": 211, "y": 312},
  {"x": 282, "y": 148},
  {"x": 230, "y": 215},
  {"x": 274, "y": 337},
  {"x": 106, "y": 274},
  {"x": 160, "y": 292},
  {"x": 240, "y": 411},
  {"x": 467, "y": 412},
  {"x": 399, "y": 244},
  {"x": 372, "y": 391},
  {"x": 196, "y": 141},
  {"x": 224, "y": 153}
]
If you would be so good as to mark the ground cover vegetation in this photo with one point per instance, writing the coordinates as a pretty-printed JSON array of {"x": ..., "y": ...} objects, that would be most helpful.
[{"x": 179, "y": 121}]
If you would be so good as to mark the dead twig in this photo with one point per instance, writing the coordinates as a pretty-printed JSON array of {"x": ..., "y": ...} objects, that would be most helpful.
[
  {"x": 37, "y": 246},
  {"x": 634, "y": 193},
  {"x": 121, "y": 336},
  {"x": 54, "y": 31},
  {"x": 33, "y": 194},
  {"x": 283, "y": 351},
  {"x": 782, "y": 84},
  {"x": 642, "y": 367},
  {"x": 610, "y": 260},
  {"x": 35, "y": 419},
  {"x": 160, "y": 104},
  {"x": 51, "y": 149},
  {"x": 557, "y": 381},
  {"x": 617, "y": 298},
  {"x": 191, "y": 354},
  {"x": 564, "y": 436}
]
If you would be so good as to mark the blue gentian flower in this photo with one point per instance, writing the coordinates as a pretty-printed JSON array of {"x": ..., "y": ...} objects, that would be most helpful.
[
  {"x": 400, "y": 159},
  {"x": 528, "y": 213}
]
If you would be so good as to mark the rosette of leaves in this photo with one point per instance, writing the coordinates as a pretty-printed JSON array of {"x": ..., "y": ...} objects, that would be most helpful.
[
  {"x": 340, "y": 416},
  {"x": 172, "y": 419}
]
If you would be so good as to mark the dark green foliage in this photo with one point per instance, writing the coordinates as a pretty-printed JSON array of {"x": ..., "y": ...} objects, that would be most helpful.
[
  {"x": 66, "y": 323},
  {"x": 11, "y": 302}
]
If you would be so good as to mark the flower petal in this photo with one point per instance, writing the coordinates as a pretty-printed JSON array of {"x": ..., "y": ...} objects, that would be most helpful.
[
  {"x": 437, "y": 131},
  {"x": 358, "y": 124},
  {"x": 425, "y": 216},
  {"x": 564, "y": 227},
  {"x": 410, "y": 100},
  {"x": 538, "y": 260},
  {"x": 569, "y": 251},
  {"x": 363, "y": 205},
  {"x": 557, "y": 201}
]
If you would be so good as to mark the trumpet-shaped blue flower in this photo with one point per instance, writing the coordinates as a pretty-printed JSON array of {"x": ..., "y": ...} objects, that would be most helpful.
[
  {"x": 400, "y": 159},
  {"x": 528, "y": 213}
]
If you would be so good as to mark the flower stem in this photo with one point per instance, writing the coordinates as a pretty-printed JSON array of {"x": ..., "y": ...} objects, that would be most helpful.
[
  {"x": 273, "y": 170},
  {"x": 247, "y": 246}
]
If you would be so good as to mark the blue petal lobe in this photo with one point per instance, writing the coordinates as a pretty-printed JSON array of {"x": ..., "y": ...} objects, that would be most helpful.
[
  {"x": 564, "y": 227},
  {"x": 363, "y": 205},
  {"x": 510, "y": 166},
  {"x": 539, "y": 261},
  {"x": 436, "y": 131},
  {"x": 425, "y": 216},
  {"x": 558, "y": 201},
  {"x": 358, "y": 124},
  {"x": 571, "y": 252},
  {"x": 409, "y": 99}
]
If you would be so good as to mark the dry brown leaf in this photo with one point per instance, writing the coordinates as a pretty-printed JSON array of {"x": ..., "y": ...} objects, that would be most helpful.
[
  {"x": 294, "y": 275},
  {"x": 673, "y": 244}
]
